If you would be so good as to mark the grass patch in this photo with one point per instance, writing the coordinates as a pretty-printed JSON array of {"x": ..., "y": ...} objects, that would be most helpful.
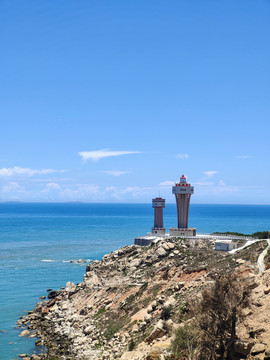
[
  {"x": 145, "y": 302},
  {"x": 99, "y": 313},
  {"x": 185, "y": 343},
  {"x": 113, "y": 325},
  {"x": 154, "y": 289}
]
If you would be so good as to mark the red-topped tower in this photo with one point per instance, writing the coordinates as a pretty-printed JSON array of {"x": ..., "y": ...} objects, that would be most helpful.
[
  {"x": 182, "y": 191},
  {"x": 158, "y": 204}
]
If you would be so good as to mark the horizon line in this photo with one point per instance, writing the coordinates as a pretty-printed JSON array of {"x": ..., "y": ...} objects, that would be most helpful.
[{"x": 115, "y": 203}]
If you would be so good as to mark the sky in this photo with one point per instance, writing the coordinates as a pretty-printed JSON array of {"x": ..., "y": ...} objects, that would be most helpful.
[{"x": 112, "y": 101}]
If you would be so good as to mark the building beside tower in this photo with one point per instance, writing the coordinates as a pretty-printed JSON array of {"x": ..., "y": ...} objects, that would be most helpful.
[
  {"x": 158, "y": 204},
  {"x": 182, "y": 191}
]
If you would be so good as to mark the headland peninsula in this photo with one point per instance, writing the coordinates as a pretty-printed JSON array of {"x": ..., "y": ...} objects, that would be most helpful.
[{"x": 174, "y": 299}]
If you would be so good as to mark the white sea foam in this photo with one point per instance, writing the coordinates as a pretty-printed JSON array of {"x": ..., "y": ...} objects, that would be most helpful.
[{"x": 48, "y": 260}]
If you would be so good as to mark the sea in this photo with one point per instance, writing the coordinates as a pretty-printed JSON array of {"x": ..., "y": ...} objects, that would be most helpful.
[{"x": 38, "y": 241}]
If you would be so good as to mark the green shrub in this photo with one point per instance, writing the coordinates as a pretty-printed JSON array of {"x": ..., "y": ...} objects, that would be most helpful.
[
  {"x": 166, "y": 312},
  {"x": 131, "y": 345},
  {"x": 100, "y": 312},
  {"x": 185, "y": 343}
]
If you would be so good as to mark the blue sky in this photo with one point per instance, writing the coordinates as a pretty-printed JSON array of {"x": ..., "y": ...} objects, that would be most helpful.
[{"x": 111, "y": 101}]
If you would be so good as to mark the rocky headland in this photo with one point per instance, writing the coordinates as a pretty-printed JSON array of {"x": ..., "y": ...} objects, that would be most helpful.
[{"x": 132, "y": 302}]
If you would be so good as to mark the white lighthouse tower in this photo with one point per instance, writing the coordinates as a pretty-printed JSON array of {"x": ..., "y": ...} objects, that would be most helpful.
[{"x": 182, "y": 191}]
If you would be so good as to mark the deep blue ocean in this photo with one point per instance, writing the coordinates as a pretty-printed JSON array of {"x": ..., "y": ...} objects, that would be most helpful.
[{"x": 38, "y": 240}]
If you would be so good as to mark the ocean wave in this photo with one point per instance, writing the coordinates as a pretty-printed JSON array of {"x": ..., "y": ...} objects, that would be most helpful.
[{"x": 72, "y": 261}]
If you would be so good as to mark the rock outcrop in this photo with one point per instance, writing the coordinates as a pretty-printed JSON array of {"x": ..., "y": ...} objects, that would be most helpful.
[{"x": 129, "y": 303}]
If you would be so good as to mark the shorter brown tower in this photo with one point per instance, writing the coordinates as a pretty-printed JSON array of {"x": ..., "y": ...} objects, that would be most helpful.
[{"x": 158, "y": 204}]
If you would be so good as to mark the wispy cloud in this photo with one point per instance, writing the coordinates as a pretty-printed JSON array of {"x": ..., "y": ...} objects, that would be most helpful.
[
  {"x": 12, "y": 187},
  {"x": 182, "y": 156},
  {"x": 243, "y": 157},
  {"x": 115, "y": 172},
  {"x": 77, "y": 192},
  {"x": 204, "y": 183},
  {"x": 167, "y": 183},
  {"x": 210, "y": 174},
  {"x": 101, "y": 154},
  {"x": 52, "y": 187},
  {"x": 133, "y": 191},
  {"x": 221, "y": 183},
  {"x": 17, "y": 170}
]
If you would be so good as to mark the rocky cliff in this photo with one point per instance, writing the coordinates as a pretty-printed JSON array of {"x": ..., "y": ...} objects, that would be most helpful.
[{"x": 131, "y": 302}]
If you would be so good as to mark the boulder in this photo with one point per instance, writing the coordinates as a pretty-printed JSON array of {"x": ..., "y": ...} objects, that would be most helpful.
[
  {"x": 88, "y": 330},
  {"x": 243, "y": 347},
  {"x": 156, "y": 333},
  {"x": 147, "y": 318},
  {"x": 171, "y": 245},
  {"x": 70, "y": 286},
  {"x": 135, "y": 263},
  {"x": 161, "y": 299},
  {"x": 169, "y": 324},
  {"x": 161, "y": 252},
  {"x": 52, "y": 294},
  {"x": 35, "y": 357},
  {"x": 24, "y": 333},
  {"x": 64, "y": 306},
  {"x": 154, "y": 304},
  {"x": 154, "y": 355},
  {"x": 165, "y": 246},
  {"x": 257, "y": 348},
  {"x": 39, "y": 342}
]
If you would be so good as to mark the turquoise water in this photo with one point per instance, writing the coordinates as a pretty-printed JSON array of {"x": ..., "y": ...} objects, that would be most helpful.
[{"x": 32, "y": 233}]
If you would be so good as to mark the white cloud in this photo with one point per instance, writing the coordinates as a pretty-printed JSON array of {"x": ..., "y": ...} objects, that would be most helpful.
[
  {"x": 243, "y": 157},
  {"x": 167, "y": 183},
  {"x": 77, "y": 192},
  {"x": 101, "y": 154},
  {"x": 182, "y": 156},
  {"x": 115, "y": 172},
  {"x": 210, "y": 174},
  {"x": 17, "y": 170},
  {"x": 12, "y": 187}
]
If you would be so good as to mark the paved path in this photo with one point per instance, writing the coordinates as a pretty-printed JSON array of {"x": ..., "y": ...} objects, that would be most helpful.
[{"x": 260, "y": 262}]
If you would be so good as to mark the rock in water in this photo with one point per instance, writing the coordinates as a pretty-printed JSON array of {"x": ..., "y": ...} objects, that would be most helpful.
[{"x": 24, "y": 333}]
